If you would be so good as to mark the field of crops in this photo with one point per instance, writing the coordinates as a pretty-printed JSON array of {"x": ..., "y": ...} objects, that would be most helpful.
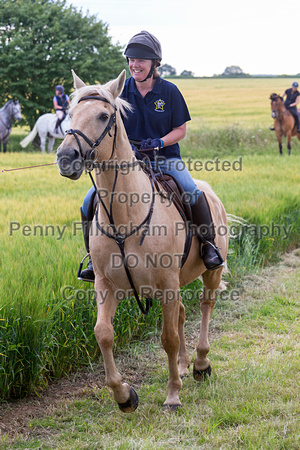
[{"x": 46, "y": 315}]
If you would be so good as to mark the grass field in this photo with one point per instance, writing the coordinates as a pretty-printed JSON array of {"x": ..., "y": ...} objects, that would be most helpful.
[
  {"x": 47, "y": 316},
  {"x": 226, "y": 102}
]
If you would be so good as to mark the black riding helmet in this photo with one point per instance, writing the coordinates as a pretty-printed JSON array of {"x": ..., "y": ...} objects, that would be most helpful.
[
  {"x": 144, "y": 46},
  {"x": 59, "y": 88}
]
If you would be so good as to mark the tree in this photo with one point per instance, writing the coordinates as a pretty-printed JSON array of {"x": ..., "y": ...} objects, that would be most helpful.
[
  {"x": 40, "y": 42},
  {"x": 187, "y": 73},
  {"x": 233, "y": 71},
  {"x": 166, "y": 70}
]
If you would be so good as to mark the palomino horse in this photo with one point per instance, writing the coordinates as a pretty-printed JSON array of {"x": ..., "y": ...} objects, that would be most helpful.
[
  {"x": 284, "y": 122},
  {"x": 98, "y": 131},
  {"x": 10, "y": 111},
  {"x": 45, "y": 126}
]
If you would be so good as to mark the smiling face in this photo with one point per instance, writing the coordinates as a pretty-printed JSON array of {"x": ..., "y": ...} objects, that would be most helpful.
[{"x": 139, "y": 68}]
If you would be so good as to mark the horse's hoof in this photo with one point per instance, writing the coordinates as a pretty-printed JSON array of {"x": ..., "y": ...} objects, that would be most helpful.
[
  {"x": 200, "y": 375},
  {"x": 173, "y": 408},
  {"x": 131, "y": 404}
]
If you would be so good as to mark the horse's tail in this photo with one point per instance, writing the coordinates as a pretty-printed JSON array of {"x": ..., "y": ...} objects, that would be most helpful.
[{"x": 30, "y": 137}]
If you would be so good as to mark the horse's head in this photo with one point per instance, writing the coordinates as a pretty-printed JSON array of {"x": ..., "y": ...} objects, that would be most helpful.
[
  {"x": 276, "y": 105},
  {"x": 93, "y": 120},
  {"x": 16, "y": 110}
]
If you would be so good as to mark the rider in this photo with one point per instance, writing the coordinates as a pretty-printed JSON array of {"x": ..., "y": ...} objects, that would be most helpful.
[
  {"x": 291, "y": 102},
  {"x": 158, "y": 120},
  {"x": 61, "y": 103}
]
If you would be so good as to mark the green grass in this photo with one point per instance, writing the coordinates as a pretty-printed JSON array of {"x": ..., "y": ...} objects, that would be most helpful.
[{"x": 219, "y": 103}]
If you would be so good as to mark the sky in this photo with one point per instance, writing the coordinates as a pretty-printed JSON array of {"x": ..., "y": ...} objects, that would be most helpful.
[{"x": 206, "y": 36}]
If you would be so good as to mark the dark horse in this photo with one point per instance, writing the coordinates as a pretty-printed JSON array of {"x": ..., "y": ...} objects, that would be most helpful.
[
  {"x": 284, "y": 123},
  {"x": 10, "y": 111}
]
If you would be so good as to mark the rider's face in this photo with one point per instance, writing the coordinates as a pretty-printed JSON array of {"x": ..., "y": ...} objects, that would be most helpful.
[{"x": 139, "y": 68}]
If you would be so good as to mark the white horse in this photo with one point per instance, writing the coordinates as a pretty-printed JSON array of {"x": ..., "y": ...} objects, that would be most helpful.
[{"x": 45, "y": 126}]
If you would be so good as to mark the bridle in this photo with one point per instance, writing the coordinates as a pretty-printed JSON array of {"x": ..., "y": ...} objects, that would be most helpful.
[
  {"x": 112, "y": 122},
  {"x": 275, "y": 112},
  {"x": 115, "y": 235}
]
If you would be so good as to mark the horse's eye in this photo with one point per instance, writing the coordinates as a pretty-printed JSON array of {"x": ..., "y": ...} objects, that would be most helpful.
[{"x": 103, "y": 117}]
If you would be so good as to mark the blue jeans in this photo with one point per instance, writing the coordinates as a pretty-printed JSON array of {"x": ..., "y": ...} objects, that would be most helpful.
[
  {"x": 176, "y": 168},
  {"x": 171, "y": 166}
]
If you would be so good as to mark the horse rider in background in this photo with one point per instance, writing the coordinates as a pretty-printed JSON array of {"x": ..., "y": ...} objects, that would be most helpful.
[
  {"x": 61, "y": 104},
  {"x": 292, "y": 99}
]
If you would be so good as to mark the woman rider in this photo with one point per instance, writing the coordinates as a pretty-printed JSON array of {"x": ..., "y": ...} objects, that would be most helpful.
[
  {"x": 291, "y": 102},
  {"x": 61, "y": 103},
  {"x": 158, "y": 120}
]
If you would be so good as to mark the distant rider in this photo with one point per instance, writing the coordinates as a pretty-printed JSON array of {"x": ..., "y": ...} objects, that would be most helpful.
[
  {"x": 292, "y": 99},
  {"x": 61, "y": 104},
  {"x": 291, "y": 102}
]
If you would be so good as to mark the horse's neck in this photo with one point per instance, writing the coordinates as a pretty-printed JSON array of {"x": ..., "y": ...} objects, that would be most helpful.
[
  {"x": 132, "y": 192},
  {"x": 6, "y": 115}
]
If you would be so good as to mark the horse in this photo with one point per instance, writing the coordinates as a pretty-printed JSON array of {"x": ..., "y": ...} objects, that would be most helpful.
[
  {"x": 45, "y": 126},
  {"x": 284, "y": 122},
  {"x": 98, "y": 134},
  {"x": 10, "y": 111}
]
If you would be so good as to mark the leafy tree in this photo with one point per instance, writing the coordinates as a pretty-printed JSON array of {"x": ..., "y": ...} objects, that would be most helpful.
[
  {"x": 233, "y": 71},
  {"x": 166, "y": 70},
  {"x": 187, "y": 73},
  {"x": 41, "y": 41}
]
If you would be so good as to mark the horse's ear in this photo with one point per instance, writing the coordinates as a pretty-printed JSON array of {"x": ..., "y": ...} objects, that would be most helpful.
[
  {"x": 78, "y": 83},
  {"x": 117, "y": 85}
]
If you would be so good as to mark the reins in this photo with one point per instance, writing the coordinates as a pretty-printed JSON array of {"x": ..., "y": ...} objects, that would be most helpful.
[{"x": 115, "y": 235}]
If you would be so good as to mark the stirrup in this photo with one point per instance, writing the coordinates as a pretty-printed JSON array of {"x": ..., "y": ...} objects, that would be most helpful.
[
  {"x": 81, "y": 264},
  {"x": 216, "y": 249}
]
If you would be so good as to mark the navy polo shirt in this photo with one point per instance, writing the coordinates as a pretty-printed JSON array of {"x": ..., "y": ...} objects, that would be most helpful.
[
  {"x": 291, "y": 97},
  {"x": 155, "y": 115}
]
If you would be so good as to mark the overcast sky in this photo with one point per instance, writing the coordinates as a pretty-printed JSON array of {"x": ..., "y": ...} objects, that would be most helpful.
[{"x": 260, "y": 36}]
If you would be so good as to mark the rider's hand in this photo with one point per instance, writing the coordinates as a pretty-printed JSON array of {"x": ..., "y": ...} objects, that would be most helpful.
[{"x": 149, "y": 144}]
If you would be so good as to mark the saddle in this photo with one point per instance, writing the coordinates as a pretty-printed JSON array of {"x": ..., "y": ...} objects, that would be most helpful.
[{"x": 168, "y": 187}]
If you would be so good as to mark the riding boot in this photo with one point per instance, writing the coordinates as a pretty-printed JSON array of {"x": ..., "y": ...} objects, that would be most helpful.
[
  {"x": 206, "y": 233},
  {"x": 58, "y": 122},
  {"x": 88, "y": 273}
]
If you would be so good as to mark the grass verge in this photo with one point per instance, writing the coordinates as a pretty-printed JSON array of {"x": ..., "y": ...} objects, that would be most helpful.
[{"x": 251, "y": 400}]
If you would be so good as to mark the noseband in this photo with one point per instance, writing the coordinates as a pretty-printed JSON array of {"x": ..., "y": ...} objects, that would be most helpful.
[{"x": 112, "y": 122}]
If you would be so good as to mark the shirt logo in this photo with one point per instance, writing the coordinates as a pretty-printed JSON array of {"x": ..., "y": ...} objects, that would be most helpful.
[{"x": 159, "y": 105}]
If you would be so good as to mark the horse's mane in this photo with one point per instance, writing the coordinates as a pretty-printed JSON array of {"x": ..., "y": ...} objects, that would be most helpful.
[
  {"x": 6, "y": 105},
  {"x": 103, "y": 91}
]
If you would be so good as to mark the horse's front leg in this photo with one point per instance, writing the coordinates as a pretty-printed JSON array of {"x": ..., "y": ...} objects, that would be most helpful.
[
  {"x": 279, "y": 139},
  {"x": 289, "y": 139},
  {"x": 124, "y": 395},
  {"x": 171, "y": 343}
]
